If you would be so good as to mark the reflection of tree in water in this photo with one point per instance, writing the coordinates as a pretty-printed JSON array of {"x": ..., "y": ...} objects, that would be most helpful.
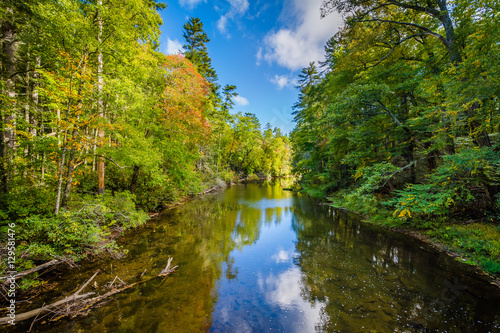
[
  {"x": 201, "y": 236},
  {"x": 369, "y": 279},
  {"x": 363, "y": 279}
]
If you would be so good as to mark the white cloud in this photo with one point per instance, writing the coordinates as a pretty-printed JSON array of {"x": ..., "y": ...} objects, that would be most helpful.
[
  {"x": 303, "y": 41},
  {"x": 173, "y": 46},
  {"x": 190, "y": 3},
  {"x": 221, "y": 23},
  {"x": 259, "y": 56},
  {"x": 237, "y": 9},
  {"x": 241, "y": 101},
  {"x": 283, "y": 81}
]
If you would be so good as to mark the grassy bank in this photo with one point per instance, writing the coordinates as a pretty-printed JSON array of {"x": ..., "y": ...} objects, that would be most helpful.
[{"x": 85, "y": 229}]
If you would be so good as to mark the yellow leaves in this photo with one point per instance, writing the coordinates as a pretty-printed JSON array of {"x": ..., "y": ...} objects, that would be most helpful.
[
  {"x": 405, "y": 213},
  {"x": 359, "y": 174}
]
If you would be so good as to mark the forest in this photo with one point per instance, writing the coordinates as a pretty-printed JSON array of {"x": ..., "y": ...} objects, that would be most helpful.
[
  {"x": 401, "y": 121},
  {"x": 99, "y": 127}
]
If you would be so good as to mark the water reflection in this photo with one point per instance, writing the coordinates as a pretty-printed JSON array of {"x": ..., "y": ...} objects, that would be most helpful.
[
  {"x": 255, "y": 258},
  {"x": 371, "y": 279}
]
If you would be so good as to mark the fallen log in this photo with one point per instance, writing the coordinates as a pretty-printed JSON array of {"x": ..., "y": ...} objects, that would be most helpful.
[
  {"x": 47, "y": 308},
  {"x": 44, "y": 309},
  {"x": 29, "y": 271},
  {"x": 77, "y": 304}
]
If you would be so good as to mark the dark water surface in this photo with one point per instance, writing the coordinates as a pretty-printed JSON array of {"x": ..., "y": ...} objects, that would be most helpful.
[{"x": 255, "y": 258}]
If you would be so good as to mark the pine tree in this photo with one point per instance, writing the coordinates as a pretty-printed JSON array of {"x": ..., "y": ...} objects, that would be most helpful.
[{"x": 196, "y": 49}]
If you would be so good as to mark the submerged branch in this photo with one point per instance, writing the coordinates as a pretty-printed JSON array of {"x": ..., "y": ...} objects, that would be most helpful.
[{"x": 78, "y": 304}]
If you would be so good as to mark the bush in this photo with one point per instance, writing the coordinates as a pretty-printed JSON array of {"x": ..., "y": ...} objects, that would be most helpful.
[
  {"x": 82, "y": 230},
  {"x": 227, "y": 176},
  {"x": 456, "y": 184}
]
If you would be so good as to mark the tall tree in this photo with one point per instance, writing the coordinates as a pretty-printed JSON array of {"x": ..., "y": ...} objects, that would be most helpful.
[{"x": 196, "y": 49}]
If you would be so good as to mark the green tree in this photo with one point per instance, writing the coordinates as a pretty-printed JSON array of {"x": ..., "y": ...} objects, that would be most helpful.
[{"x": 196, "y": 50}]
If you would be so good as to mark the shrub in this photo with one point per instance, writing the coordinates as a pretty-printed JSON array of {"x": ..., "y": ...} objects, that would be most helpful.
[
  {"x": 456, "y": 184},
  {"x": 78, "y": 232}
]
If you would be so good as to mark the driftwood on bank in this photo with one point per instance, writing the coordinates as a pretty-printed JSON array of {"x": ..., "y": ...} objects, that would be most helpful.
[{"x": 79, "y": 304}]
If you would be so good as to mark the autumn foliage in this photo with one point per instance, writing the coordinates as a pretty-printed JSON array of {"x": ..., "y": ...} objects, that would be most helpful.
[{"x": 185, "y": 98}]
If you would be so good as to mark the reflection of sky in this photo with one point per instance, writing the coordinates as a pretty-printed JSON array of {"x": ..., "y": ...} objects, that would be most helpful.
[
  {"x": 266, "y": 295},
  {"x": 267, "y": 203},
  {"x": 284, "y": 290}
]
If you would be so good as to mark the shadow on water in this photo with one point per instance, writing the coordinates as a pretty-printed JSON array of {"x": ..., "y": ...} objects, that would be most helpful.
[{"x": 256, "y": 258}]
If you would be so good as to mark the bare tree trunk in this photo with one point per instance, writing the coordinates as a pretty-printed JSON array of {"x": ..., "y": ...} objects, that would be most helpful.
[
  {"x": 60, "y": 180},
  {"x": 135, "y": 176},
  {"x": 27, "y": 107},
  {"x": 69, "y": 181},
  {"x": 34, "y": 99},
  {"x": 100, "y": 84},
  {"x": 7, "y": 149}
]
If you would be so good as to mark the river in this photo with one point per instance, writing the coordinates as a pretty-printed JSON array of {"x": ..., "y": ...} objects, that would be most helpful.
[{"x": 255, "y": 258}]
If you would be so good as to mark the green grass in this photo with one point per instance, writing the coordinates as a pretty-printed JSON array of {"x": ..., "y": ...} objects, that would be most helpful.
[{"x": 478, "y": 242}]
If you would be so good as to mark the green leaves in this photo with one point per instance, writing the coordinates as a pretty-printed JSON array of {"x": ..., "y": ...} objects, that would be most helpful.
[
  {"x": 452, "y": 186},
  {"x": 406, "y": 97}
]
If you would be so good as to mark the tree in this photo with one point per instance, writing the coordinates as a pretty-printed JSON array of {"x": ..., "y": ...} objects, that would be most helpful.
[
  {"x": 396, "y": 113},
  {"x": 409, "y": 20},
  {"x": 196, "y": 49}
]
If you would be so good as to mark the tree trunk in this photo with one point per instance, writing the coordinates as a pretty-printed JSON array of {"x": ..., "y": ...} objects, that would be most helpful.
[
  {"x": 7, "y": 149},
  {"x": 100, "y": 84},
  {"x": 454, "y": 52},
  {"x": 135, "y": 176},
  {"x": 69, "y": 181},
  {"x": 34, "y": 99},
  {"x": 480, "y": 138},
  {"x": 60, "y": 180}
]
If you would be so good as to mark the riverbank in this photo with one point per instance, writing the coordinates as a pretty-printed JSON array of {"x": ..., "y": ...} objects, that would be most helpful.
[
  {"x": 87, "y": 230},
  {"x": 241, "y": 249},
  {"x": 471, "y": 242},
  {"x": 31, "y": 287}
]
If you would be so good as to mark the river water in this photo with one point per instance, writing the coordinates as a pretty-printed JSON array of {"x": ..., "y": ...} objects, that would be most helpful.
[{"x": 255, "y": 258}]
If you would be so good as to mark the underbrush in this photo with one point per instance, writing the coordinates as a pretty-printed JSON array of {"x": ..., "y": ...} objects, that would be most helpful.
[
  {"x": 478, "y": 242},
  {"x": 86, "y": 228}
]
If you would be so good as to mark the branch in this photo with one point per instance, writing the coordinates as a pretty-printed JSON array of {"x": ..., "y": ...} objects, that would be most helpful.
[
  {"x": 392, "y": 115},
  {"x": 397, "y": 171},
  {"x": 36, "y": 312},
  {"x": 418, "y": 26},
  {"x": 87, "y": 283},
  {"x": 29, "y": 271},
  {"x": 431, "y": 11},
  {"x": 112, "y": 161},
  {"x": 394, "y": 47}
]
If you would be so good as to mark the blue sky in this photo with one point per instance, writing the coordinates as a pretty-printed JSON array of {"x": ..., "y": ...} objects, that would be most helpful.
[{"x": 258, "y": 46}]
